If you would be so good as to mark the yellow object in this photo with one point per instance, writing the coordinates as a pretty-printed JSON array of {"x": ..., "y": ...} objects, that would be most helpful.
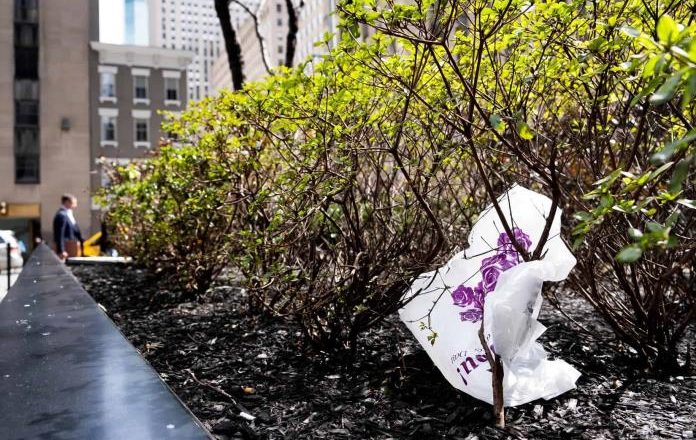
[{"x": 91, "y": 246}]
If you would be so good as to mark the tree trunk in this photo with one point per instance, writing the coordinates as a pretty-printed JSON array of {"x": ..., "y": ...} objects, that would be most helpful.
[
  {"x": 234, "y": 51},
  {"x": 291, "y": 40}
]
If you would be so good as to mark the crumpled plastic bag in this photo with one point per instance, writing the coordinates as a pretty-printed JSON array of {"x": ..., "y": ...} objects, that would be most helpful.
[{"x": 491, "y": 282}]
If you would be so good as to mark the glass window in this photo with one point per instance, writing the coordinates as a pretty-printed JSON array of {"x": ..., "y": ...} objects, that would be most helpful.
[
  {"x": 107, "y": 85},
  {"x": 26, "y": 140},
  {"x": 27, "y": 112},
  {"x": 108, "y": 128},
  {"x": 140, "y": 87},
  {"x": 141, "y": 130},
  {"x": 26, "y": 89},
  {"x": 26, "y": 62},
  {"x": 26, "y": 155},
  {"x": 27, "y": 168},
  {"x": 279, "y": 7},
  {"x": 26, "y": 10},
  {"x": 26, "y": 35},
  {"x": 171, "y": 89}
]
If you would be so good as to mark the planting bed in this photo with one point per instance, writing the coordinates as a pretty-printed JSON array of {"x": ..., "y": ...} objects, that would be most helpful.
[{"x": 229, "y": 367}]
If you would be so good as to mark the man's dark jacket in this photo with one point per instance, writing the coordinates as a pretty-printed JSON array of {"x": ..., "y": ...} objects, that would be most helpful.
[{"x": 64, "y": 229}]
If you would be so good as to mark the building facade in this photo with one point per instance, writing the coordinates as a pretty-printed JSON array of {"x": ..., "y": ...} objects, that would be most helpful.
[
  {"x": 316, "y": 18},
  {"x": 130, "y": 86},
  {"x": 136, "y": 22},
  {"x": 44, "y": 112},
  {"x": 190, "y": 25}
]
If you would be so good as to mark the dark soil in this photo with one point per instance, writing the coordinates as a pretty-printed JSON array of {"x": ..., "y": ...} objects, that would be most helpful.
[{"x": 223, "y": 362}]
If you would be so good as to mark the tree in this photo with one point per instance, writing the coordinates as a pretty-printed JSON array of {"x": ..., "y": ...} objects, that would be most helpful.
[
  {"x": 291, "y": 40},
  {"x": 234, "y": 51}
]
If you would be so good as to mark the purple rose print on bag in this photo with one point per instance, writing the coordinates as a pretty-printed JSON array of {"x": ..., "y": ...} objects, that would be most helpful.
[{"x": 472, "y": 298}]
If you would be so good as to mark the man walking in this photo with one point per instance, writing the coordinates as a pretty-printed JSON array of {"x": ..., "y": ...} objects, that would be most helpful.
[{"x": 66, "y": 232}]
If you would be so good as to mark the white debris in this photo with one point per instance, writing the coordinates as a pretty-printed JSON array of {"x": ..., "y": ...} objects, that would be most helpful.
[
  {"x": 445, "y": 307},
  {"x": 247, "y": 416}
]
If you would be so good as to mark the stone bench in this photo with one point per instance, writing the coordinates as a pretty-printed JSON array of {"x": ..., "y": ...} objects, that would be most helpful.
[{"x": 67, "y": 372}]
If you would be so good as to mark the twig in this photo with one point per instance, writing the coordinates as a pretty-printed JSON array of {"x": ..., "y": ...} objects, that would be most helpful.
[{"x": 497, "y": 375}]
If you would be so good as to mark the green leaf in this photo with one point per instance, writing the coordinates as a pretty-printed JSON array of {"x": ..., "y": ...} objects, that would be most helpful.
[
  {"x": 432, "y": 337},
  {"x": 671, "y": 147},
  {"x": 578, "y": 242},
  {"x": 496, "y": 122},
  {"x": 667, "y": 30},
  {"x": 688, "y": 203},
  {"x": 524, "y": 131},
  {"x": 630, "y": 31},
  {"x": 634, "y": 233},
  {"x": 654, "y": 227},
  {"x": 672, "y": 219},
  {"x": 681, "y": 170},
  {"x": 666, "y": 90},
  {"x": 582, "y": 216},
  {"x": 629, "y": 254}
]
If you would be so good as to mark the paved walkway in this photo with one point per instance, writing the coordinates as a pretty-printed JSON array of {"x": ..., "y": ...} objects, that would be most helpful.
[{"x": 3, "y": 282}]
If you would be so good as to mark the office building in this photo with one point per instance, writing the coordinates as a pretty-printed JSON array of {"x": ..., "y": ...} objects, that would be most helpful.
[
  {"x": 316, "y": 18},
  {"x": 192, "y": 26},
  {"x": 44, "y": 112},
  {"x": 136, "y": 22}
]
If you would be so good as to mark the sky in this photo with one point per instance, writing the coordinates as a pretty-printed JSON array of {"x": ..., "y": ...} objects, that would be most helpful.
[{"x": 111, "y": 19}]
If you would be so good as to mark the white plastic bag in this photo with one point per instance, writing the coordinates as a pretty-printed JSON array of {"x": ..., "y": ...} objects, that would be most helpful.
[{"x": 490, "y": 281}]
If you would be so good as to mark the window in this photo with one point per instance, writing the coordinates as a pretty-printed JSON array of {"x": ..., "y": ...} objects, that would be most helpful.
[
  {"x": 26, "y": 11},
  {"x": 108, "y": 127},
  {"x": 280, "y": 22},
  {"x": 279, "y": 7},
  {"x": 108, "y": 130},
  {"x": 27, "y": 168},
  {"x": 140, "y": 87},
  {"x": 280, "y": 49},
  {"x": 26, "y": 35},
  {"x": 171, "y": 89},
  {"x": 141, "y": 128},
  {"x": 26, "y": 140},
  {"x": 26, "y": 92},
  {"x": 26, "y": 89},
  {"x": 27, "y": 112},
  {"x": 26, "y": 62},
  {"x": 107, "y": 88},
  {"x": 26, "y": 155}
]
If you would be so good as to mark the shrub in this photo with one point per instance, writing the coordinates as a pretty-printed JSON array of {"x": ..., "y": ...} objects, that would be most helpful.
[
  {"x": 554, "y": 91},
  {"x": 182, "y": 212},
  {"x": 332, "y": 190},
  {"x": 369, "y": 193}
]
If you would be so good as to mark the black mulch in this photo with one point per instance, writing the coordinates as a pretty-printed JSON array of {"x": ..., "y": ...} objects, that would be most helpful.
[{"x": 229, "y": 367}]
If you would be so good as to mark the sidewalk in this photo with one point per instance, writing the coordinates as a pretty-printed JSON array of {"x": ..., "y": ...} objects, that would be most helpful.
[{"x": 3, "y": 282}]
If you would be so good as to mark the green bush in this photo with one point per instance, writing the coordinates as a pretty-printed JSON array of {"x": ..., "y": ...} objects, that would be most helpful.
[
  {"x": 577, "y": 98},
  {"x": 369, "y": 193},
  {"x": 332, "y": 190},
  {"x": 183, "y": 212}
]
